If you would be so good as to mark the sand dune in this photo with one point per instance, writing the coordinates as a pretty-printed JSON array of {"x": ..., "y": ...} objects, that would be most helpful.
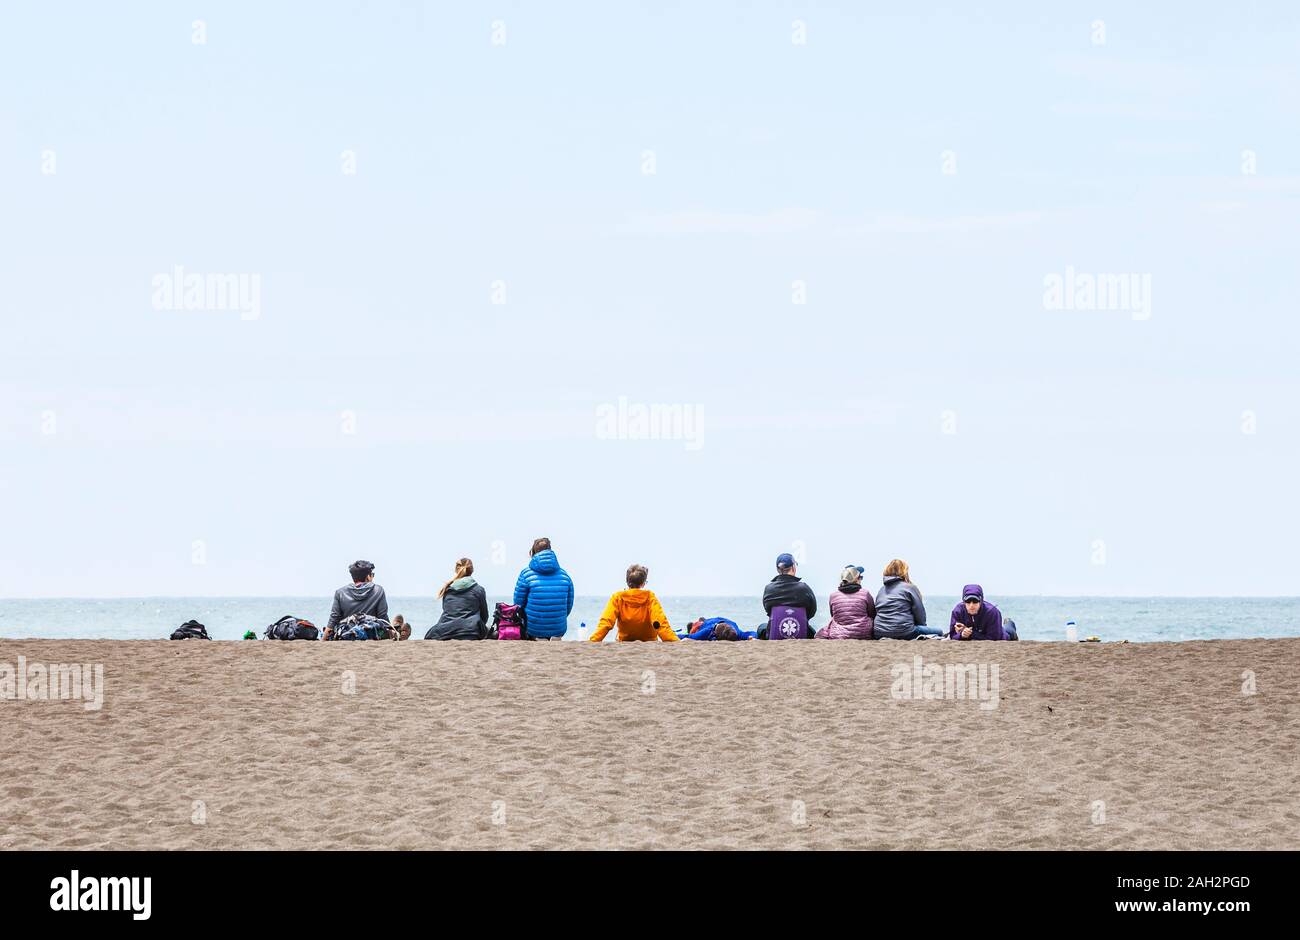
[{"x": 567, "y": 745}]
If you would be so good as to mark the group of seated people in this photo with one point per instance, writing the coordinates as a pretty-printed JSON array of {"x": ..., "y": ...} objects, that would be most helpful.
[
  {"x": 896, "y": 612},
  {"x": 543, "y": 598}
]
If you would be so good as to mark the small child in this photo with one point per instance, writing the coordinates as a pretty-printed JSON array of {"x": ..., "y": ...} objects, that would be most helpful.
[{"x": 636, "y": 611}]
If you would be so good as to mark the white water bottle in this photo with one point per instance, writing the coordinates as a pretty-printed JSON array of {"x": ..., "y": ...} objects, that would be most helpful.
[
  {"x": 582, "y": 632},
  {"x": 1071, "y": 634}
]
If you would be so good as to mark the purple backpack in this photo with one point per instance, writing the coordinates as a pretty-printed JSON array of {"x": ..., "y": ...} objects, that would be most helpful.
[
  {"x": 788, "y": 623},
  {"x": 508, "y": 622}
]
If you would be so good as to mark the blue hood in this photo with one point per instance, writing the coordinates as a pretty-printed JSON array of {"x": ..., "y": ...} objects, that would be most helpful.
[
  {"x": 544, "y": 562},
  {"x": 545, "y": 591}
]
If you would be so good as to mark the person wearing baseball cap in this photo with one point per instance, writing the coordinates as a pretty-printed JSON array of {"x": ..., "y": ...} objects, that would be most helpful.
[
  {"x": 853, "y": 610},
  {"x": 788, "y": 590},
  {"x": 362, "y": 596},
  {"x": 975, "y": 618}
]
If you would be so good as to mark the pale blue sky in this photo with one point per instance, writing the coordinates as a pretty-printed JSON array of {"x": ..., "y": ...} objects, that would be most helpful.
[{"x": 775, "y": 162}]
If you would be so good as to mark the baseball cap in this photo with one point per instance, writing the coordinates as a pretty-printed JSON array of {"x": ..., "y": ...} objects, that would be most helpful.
[{"x": 785, "y": 560}]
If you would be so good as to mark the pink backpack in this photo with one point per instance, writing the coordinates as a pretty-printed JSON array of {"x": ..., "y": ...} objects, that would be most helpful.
[{"x": 508, "y": 622}]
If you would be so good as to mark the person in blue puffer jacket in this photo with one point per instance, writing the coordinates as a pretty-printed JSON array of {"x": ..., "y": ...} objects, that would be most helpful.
[{"x": 545, "y": 592}]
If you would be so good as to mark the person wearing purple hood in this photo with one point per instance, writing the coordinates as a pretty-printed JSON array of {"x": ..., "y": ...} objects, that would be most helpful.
[{"x": 976, "y": 619}]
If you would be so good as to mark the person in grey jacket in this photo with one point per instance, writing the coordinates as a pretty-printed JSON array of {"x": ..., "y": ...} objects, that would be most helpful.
[
  {"x": 362, "y": 596},
  {"x": 464, "y": 607},
  {"x": 900, "y": 611}
]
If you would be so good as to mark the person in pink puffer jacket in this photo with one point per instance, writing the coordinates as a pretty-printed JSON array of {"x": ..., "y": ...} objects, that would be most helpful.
[{"x": 853, "y": 610}]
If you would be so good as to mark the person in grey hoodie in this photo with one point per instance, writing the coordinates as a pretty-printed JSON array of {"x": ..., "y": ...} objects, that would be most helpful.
[
  {"x": 464, "y": 607},
  {"x": 900, "y": 611},
  {"x": 362, "y": 596}
]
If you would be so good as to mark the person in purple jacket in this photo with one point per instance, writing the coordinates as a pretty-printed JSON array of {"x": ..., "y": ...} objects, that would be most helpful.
[{"x": 975, "y": 618}]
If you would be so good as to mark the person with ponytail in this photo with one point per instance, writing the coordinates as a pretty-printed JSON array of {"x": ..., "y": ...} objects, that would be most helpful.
[{"x": 464, "y": 607}]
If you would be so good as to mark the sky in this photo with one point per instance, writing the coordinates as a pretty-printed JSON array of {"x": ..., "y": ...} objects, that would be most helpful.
[{"x": 822, "y": 237}]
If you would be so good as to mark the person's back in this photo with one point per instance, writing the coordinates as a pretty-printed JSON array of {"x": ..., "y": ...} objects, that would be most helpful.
[
  {"x": 853, "y": 609},
  {"x": 464, "y": 607},
  {"x": 787, "y": 589},
  {"x": 636, "y": 611},
  {"x": 362, "y": 596},
  {"x": 545, "y": 591},
  {"x": 900, "y": 609}
]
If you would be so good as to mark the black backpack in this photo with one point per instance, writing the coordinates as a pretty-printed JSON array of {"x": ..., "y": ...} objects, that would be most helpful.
[
  {"x": 191, "y": 630},
  {"x": 292, "y": 628}
]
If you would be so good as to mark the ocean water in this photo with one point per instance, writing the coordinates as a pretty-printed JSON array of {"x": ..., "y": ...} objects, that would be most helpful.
[{"x": 1138, "y": 619}]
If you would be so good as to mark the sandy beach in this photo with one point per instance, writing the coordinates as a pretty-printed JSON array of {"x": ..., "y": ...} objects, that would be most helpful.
[{"x": 222, "y": 745}]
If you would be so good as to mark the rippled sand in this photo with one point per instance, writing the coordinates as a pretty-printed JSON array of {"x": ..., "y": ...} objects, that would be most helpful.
[{"x": 711, "y": 745}]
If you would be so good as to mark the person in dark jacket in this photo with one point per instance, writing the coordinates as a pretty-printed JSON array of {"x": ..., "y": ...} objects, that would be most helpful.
[
  {"x": 464, "y": 607},
  {"x": 788, "y": 590},
  {"x": 545, "y": 592},
  {"x": 900, "y": 610},
  {"x": 975, "y": 618},
  {"x": 362, "y": 596}
]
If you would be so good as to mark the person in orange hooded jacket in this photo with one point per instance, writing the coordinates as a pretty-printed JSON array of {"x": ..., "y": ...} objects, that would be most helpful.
[{"x": 636, "y": 611}]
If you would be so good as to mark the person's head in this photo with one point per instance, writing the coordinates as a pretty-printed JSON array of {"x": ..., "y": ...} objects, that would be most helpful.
[
  {"x": 785, "y": 564},
  {"x": 361, "y": 571},
  {"x": 898, "y": 569},
  {"x": 725, "y": 631},
  {"x": 972, "y": 596},
  {"x": 852, "y": 574},
  {"x": 637, "y": 575},
  {"x": 464, "y": 568},
  {"x": 539, "y": 545}
]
